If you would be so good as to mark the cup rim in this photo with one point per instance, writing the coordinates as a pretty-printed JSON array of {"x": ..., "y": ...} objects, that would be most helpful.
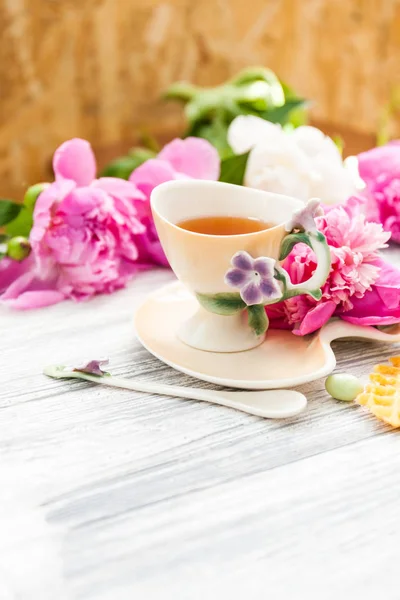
[{"x": 209, "y": 183}]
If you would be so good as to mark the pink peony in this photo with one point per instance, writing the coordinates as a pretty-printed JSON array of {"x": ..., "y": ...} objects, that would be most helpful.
[
  {"x": 356, "y": 271},
  {"x": 83, "y": 236},
  {"x": 181, "y": 159},
  {"x": 380, "y": 169}
]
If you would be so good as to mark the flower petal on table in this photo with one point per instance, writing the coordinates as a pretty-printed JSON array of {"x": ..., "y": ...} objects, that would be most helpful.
[
  {"x": 75, "y": 160},
  {"x": 12, "y": 270},
  {"x": 193, "y": 157},
  {"x": 33, "y": 299}
]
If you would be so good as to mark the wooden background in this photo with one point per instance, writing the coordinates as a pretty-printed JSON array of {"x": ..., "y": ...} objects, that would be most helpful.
[{"x": 96, "y": 68}]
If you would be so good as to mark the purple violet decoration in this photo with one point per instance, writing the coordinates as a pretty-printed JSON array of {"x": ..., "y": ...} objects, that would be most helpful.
[
  {"x": 93, "y": 367},
  {"x": 254, "y": 277},
  {"x": 303, "y": 218}
]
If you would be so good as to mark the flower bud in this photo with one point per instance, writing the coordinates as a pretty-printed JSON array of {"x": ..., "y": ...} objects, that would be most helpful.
[{"x": 18, "y": 248}]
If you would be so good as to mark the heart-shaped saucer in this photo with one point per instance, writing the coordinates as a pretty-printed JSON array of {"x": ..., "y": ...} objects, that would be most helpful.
[{"x": 283, "y": 360}]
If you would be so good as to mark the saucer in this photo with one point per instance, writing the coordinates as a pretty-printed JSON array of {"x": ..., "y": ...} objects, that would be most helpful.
[{"x": 283, "y": 360}]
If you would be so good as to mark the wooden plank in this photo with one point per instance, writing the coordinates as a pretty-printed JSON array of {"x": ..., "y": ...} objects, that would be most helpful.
[
  {"x": 111, "y": 495},
  {"x": 97, "y": 69}
]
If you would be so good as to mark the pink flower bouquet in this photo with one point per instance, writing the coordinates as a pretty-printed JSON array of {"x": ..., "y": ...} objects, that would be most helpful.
[
  {"x": 361, "y": 288},
  {"x": 81, "y": 235},
  {"x": 89, "y": 235}
]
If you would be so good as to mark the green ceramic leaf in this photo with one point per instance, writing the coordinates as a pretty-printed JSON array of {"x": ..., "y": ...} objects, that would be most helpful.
[
  {"x": 233, "y": 169},
  {"x": 9, "y": 210},
  {"x": 290, "y": 241},
  {"x": 22, "y": 225},
  {"x": 258, "y": 320},
  {"x": 222, "y": 304},
  {"x": 316, "y": 294},
  {"x": 320, "y": 237}
]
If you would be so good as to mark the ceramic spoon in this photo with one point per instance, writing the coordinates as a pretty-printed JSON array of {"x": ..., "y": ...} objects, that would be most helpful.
[{"x": 270, "y": 404}]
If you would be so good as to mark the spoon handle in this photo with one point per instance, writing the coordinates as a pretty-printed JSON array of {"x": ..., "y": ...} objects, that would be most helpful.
[{"x": 272, "y": 404}]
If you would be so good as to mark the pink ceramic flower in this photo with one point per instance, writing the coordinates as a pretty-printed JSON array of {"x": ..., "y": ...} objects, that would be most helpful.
[
  {"x": 380, "y": 169},
  {"x": 181, "y": 159},
  {"x": 356, "y": 271},
  {"x": 83, "y": 236}
]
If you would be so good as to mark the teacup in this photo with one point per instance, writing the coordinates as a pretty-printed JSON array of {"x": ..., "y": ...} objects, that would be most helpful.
[{"x": 234, "y": 276}]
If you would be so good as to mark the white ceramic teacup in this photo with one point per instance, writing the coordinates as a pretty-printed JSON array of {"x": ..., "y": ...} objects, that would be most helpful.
[{"x": 201, "y": 261}]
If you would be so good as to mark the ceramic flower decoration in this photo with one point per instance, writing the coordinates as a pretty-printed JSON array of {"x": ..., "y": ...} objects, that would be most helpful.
[
  {"x": 302, "y": 163},
  {"x": 254, "y": 278},
  {"x": 304, "y": 218}
]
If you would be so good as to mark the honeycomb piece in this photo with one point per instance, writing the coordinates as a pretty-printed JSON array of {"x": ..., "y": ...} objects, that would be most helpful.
[{"x": 382, "y": 394}]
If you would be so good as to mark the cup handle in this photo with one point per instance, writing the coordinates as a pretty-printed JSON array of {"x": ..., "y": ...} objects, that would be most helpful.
[{"x": 312, "y": 287}]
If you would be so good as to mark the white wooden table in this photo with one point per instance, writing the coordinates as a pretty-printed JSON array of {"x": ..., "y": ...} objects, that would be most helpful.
[{"x": 110, "y": 495}]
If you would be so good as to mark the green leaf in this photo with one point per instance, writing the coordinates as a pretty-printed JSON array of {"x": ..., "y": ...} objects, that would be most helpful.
[
  {"x": 216, "y": 133},
  {"x": 258, "y": 320},
  {"x": 122, "y": 167},
  {"x": 339, "y": 142},
  {"x": 222, "y": 304},
  {"x": 290, "y": 241},
  {"x": 22, "y": 225},
  {"x": 281, "y": 114},
  {"x": 148, "y": 142},
  {"x": 9, "y": 210},
  {"x": 298, "y": 116},
  {"x": 274, "y": 94},
  {"x": 233, "y": 168},
  {"x": 181, "y": 90}
]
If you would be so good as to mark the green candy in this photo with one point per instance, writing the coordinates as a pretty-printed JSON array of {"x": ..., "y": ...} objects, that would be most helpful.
[{"x": 343, "y": 386}]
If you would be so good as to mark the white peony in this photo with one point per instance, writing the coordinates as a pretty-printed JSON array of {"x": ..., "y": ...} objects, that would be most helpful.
[{"x": 304, "y": 163}]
